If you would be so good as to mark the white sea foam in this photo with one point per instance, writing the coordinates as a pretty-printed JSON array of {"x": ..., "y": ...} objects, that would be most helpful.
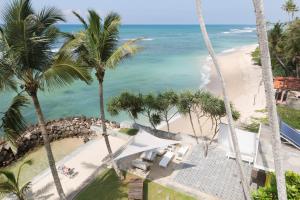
[
  {"x": 143, "y": 39},
  {"x": 237, "y": 31},
  {"x": 229, "y": 50}
]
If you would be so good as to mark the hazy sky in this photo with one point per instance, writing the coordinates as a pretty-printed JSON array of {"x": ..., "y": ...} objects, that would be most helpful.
[{"x": 168, "y": 11}]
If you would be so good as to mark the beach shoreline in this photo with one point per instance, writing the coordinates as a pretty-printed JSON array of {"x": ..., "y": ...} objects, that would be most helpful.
[{"x": 243, "y": 84}]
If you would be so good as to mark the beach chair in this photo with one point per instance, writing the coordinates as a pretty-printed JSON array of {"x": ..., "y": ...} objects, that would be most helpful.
[
  {"x": 166, "y": 159},
  {"x": 148, "y": 155},
  {"x": 181, "y": 152},
  {"x": 140, "y": 164}
]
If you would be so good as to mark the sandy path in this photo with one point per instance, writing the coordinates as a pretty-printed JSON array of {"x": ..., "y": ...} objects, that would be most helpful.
[
  {"x": 242, "y": 80},
  {"x": 86, "y": 160}
]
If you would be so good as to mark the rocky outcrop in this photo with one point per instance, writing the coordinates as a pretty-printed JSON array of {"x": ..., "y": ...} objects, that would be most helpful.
[{"x": 56, "y": 129}]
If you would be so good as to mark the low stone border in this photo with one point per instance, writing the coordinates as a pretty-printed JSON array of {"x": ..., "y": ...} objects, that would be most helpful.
[{"x": 57, "y": 129}]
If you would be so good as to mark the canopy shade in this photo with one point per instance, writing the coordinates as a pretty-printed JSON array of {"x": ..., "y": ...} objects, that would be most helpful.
[
  {"x": 143, "y": 141},
  {"x": 247, "y": 141}
]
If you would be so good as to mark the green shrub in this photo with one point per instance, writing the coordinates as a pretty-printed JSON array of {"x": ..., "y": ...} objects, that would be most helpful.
[{"x": 269, "y": 192}]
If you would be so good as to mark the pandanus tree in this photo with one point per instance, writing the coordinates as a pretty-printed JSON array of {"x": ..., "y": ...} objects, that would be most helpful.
[
  {"x": 26, "y": 39},
  {"x": 216, "y": 64},
  {"x": 185, "y": 105},
  {"x": 270, "y": 96},
  {"x": 167, "y": 102},
  {"x": 11, "y": 183},
  {"x": 126, "y": 102},
  {"x": 98, "y": 47}
]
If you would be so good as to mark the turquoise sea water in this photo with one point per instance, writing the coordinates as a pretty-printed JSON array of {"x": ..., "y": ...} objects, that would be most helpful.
[{"x": 172, "y": 58}]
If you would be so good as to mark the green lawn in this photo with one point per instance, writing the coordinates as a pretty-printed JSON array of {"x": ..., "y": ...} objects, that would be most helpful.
[
  {"x": 129, "y": 131},
  {"x": 107, "y": 186},
  {"x": 289, "y": 116},
  {"x": 60, "y": 149}
]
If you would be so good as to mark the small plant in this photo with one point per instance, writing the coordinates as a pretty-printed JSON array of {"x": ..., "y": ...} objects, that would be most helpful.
[{"x": 11, "y": 183}]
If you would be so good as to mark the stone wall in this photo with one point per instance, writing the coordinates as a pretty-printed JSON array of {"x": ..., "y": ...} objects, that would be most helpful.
[{"x": 56, "y": 129}]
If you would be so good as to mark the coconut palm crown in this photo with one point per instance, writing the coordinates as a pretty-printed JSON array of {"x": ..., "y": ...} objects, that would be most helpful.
[
  {"x": 26, "y": 41},
  {"x": 97, "y": 46}
]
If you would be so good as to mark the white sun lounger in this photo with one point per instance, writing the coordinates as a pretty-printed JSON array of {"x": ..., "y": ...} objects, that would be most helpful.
[
  {"x": 181, "y": 152},
  {"x": 148, "y": 155},
  {"x": 166, "y": 159}
]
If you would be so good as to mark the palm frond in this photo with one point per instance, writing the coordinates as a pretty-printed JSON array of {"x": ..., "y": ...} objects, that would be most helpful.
[
  {"x": 7, "y": 187},
  {"x": 10, "y": 177},
  {"x": 13, "y": 122},
  {"x": 80, "y": 19},
  {"x": 126, "y": 50},
  {"x": 64, "y": 71},
  {"x": 7, "y": 81},
  {"x": 27, "y": 162},
  {"x": 50, "y": 16}
]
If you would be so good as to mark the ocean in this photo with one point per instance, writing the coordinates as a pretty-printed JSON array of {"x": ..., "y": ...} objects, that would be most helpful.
[{"x": 173, "y": 57}]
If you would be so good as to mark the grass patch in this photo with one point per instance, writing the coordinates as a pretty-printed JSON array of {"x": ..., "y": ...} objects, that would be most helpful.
[
  {"x": 129, "y": 131},
  {"x": 107, "y": 186},
  {"x": 289, "y": 116},
  {"x": 38, "y": 156}
]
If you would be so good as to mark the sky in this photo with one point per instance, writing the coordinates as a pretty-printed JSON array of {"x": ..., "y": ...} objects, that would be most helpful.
[{"x": 168, "y": 11}]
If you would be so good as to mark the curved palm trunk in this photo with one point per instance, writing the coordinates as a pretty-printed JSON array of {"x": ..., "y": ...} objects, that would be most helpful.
[
  {"x": 192, "y": 124},
  {"x": 50, "y": 157},
  {"x": 104, "y": 130},
  {"x": 227, "y": 104},
  {"x": 270, "y": 97}
]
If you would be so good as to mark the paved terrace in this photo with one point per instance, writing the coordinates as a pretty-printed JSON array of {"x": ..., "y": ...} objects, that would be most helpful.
[
  {"x": 215, "y": 175},
  {"x": 87, "y": 160}
]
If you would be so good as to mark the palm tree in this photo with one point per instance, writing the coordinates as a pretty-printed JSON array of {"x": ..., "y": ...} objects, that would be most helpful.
[
  {"x": 26, "y": 41},
  {"x": 227, "y": 103},
  {"x": 11, "y": 185},
  {"x": 290, "y": 8},
  {"x": 270, "y": 96},
  {"x": 97, "y": 47}
]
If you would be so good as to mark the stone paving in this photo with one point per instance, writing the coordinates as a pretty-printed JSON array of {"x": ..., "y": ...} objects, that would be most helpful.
[{"x": 215, "y": 175}]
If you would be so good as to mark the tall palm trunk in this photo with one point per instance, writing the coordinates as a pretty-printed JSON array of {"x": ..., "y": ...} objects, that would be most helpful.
[
  {"x": 51, "y": 160},
  {"x": 270, "y": 96},
  {"x": 227, "y": 104},
  {"x": 104, "y": 130}
]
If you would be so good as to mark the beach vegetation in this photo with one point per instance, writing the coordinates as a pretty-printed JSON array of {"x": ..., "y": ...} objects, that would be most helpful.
[
  {"x": 185, "y": 106},
  {"x": 126, "y": 102},
  {"x": 269, "y": 191},
  {"x": 167, "y": 106},
  {"x": 27, "y": 37},
  {"x": 98, "y": 47},
  {"x": 284, "y": 49},
  {"x": 108, "y": 187},
  {"x": 10, "y": 182}
]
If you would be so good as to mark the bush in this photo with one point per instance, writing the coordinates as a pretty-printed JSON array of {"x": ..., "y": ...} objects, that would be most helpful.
[{"x": 269, "y": 192}]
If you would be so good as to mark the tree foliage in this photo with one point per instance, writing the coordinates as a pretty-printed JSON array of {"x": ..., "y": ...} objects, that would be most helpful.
[
  {"x": 11, "y": 183},
  {"x": 269, "y": 192}
]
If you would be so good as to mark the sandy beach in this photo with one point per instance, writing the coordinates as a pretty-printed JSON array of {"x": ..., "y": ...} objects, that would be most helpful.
[{"x": 242, "y": 80}]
